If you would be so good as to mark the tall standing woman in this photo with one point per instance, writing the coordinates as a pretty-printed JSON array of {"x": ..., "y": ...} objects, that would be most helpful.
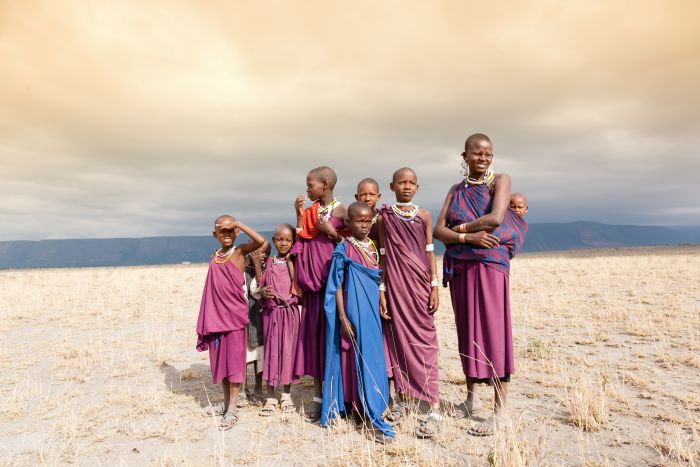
[{"x": 481, "y": 234}]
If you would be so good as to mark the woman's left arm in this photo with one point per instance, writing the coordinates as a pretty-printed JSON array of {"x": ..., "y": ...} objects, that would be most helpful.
[{"x": 490, "y": 221}]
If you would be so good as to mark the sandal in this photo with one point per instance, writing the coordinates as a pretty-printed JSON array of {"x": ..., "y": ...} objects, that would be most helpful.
[
  {"x": 269, "y": 408},
  {"x": 430, "y": 427},
  {"x": 486, "y": 428},
  {"x": 229, "y": 421},
  {"x": 216, "y": 410},
  {"x": 286, "y": 404},
  {"x": 398, "y": 410},
  {"x": 312, "y": 412},
  {"x": 380, "y": 437}
]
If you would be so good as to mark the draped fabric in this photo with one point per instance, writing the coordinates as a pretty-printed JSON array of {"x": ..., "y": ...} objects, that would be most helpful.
[
  {"x": 468, "y": 203},
  {"x": 362, "y": 298},
  {"x": 222, "y": 321},
  {"x": 313, "y": 260},
  {"x": 411, "y": 336},
  {"x": 224, "y": 306},
  {"x": 281, "y": 325},
  {"x": 309, "y": 223}
]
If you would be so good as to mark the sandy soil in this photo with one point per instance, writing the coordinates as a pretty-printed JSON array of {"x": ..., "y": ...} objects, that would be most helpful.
[{"x": 98, "y": 367}]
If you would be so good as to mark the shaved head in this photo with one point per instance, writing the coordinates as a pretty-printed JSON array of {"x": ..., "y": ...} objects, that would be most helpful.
[
  {"x": 475, "y": 138},
  {"x": 222, "y": 218},
  {"x": 518, "y": 196},
  {"x": 357, "y": 208},
  {"x": 325, "y": 174},
  {"x": 401, "y": 171},
  {"x": 367, "y": 181}
]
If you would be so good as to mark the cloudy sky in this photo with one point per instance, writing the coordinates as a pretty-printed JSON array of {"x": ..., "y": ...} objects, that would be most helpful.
[{"x": 151, "y": 118}]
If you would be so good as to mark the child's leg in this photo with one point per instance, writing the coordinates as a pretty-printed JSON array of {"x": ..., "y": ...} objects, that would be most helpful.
[
  {"x": 318, "y": 387},
  {"x": 286, "y": 403},
  {"x": 227, "y": 393},
  {"x": 489, "y": 426},
  {"x": 500, "y": 390},
  {"x": 258, "y": 379}
]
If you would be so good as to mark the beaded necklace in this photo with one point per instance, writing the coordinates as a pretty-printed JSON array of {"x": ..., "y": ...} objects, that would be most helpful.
[
  {"x": 488, "y": 178},
  {"x": 405, "y": 215},
  {"x": 328, "y": 210},
  {"x": 225, "y": 256},
  {"x": 277, "y": 262},
  {"x": 364, "y": 248}
]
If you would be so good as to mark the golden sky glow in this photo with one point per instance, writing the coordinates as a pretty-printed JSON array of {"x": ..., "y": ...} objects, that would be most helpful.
[{"x": 151, "y": 118}]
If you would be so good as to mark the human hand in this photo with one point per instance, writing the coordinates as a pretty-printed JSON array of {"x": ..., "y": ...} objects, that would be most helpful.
[
  {"x": 383, "y": 310},
  {"x": 483, "y": 239},
  {"x": 326, "y": 227},
  {"x": 434, "y": 302},
  {"x": 267, "y": 293},
  {"x": 299, "y": 204},
  {"x": 348, "y": 329}
]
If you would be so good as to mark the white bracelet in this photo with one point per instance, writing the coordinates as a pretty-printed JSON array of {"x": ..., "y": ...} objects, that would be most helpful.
[
  {"x": 299, "y": 229},
  {"x": 434, "y": 283},
  {"x": 382, "y": 251},
  {"x": 430, "y": 247},
  {"x": 382, "y": 287}
]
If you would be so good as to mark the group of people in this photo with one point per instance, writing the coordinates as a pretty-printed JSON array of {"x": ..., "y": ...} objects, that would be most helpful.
[{"x": 349, "y": 297}]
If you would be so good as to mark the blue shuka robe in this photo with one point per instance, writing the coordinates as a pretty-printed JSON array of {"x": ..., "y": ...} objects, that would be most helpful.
[{"x": 362, "y": 309}]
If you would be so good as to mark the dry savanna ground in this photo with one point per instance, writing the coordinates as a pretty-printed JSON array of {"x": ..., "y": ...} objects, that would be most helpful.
[{"x": 98, "y": 367}]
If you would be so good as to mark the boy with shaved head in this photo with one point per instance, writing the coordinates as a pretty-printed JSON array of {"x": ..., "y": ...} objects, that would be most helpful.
[
  {"x": 223, "y": 314},
  {"x": 352, "y": 305},
  {"x": 320, "y": 229},
  {"x": 409, "y": 298}
]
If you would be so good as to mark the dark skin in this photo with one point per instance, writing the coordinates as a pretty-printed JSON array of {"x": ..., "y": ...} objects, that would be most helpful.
[
  {"x": 479, "y": 157},
  {"x": 226, "y": 230},
  {"x": 477, "y": 232},
  {"x": 405, "y": 186},
  {"x": 283, "y": 241},
  {"x": 257, "y": 259},
  {"x": 360, "y": 224},
  {"x": 318, "y": 189},
  {"x": 369, "y": 194}
]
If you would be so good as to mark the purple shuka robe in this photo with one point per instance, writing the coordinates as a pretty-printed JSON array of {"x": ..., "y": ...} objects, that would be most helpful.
[
  {"x": 479, "y": 287},
  {"x": 280, "y": 325},
  {"x": 313, "y": 262},
  {"x": 410, "y": 334},
  {"x": 221, "y": 326}
]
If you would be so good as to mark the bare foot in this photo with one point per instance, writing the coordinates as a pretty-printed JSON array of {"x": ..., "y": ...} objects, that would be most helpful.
[
  {"x": 229, "y": 421},
  {"x": 216, "y": 409},
  {"x": 467, "y": 409},
  {"x": 488, "y": 427}
]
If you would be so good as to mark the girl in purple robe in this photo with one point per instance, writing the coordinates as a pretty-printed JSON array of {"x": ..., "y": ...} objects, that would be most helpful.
[
  {"x": 408, "y": 300},
  {"x": 280, "y": 323},
  {"x": 320, "y": 229},
  {"x": 481, "y": 235},
  {"x": 223, "y": 314}
]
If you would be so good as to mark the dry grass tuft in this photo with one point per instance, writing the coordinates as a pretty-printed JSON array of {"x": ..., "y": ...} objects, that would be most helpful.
[
  {"x": 116, "y": 379},
  {"x": 587, "y": 403}
]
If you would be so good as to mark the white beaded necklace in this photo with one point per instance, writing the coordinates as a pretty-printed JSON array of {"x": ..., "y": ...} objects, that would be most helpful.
[
  {"x": 405, "y": 215},
  {"x": 278, "y": 261},
  {"x": 327, "y": 210},
  {"x": 372, "y": 256}
]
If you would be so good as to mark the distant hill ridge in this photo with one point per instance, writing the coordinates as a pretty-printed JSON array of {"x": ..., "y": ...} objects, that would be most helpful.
[{"x": 198, "y": 249}]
